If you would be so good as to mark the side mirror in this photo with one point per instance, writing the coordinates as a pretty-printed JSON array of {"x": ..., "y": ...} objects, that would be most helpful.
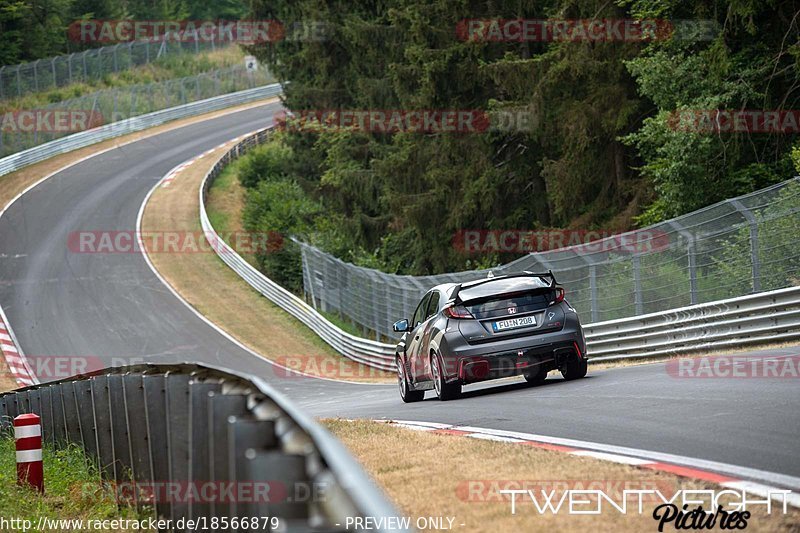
[{"x": 401, "y": 326}]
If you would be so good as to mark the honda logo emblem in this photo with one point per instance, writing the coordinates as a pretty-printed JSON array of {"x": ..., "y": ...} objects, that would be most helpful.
[{"x": 512, "y": 310}]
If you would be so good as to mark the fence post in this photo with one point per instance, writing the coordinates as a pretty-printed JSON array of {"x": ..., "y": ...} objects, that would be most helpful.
[
  {"x": 36, "y": 74},
  {"x": 593, "y": 293},
  {"x": 637, "y": 284},
  {"x": 754, "y": 259},
  {"x": 53, "y": 65},
  {"x": 2, "y": 83},
  {"x": 19, "y": 83}
]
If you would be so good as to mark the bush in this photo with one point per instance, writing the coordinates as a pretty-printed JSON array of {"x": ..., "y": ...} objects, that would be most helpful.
[{"x": 269, "y": 162}]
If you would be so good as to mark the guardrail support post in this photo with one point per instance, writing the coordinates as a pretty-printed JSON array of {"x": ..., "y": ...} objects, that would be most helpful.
[
  {"x": 177, "y": 434},
  {"x": 119, "y": 430},
  {"x": 83, "y": 396},
  {"x": 155, "y": 412},
  {"x": 220, "y": 408},
  {"x": 243, "y": 435},
  {"x": 135, "y": 420},
  {"x": 102, "y": 424},
  {"x": 199, "y": 463}
]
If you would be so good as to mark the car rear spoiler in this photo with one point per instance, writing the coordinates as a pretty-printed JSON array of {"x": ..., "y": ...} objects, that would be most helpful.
[{"x": 524, "y": 274}]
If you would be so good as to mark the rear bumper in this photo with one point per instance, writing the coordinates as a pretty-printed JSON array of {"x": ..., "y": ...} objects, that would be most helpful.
[{"x": 470, "y": 364}]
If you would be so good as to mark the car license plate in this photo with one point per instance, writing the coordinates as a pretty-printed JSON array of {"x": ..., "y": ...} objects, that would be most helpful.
[{"x": 512, "y": 323}]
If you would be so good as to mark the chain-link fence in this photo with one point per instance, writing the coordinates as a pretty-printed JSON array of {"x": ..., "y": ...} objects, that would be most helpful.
[
  {"x": 92, "y": 64},
  {"x": 733, "y": 248},
  {"x": 112, "y": 105}
]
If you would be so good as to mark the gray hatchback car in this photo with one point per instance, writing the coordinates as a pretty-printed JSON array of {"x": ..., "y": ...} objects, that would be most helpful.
[{"x": 488, "y": 329}]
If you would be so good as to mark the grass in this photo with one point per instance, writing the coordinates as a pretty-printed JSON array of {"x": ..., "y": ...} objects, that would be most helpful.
[
  {"x": 71, "y": 490},
  {"x": 244, "y": 313},
  {"x": 167, "y": 68},
  {"x": 428, "y": 474},
  {"x": 225, "y": 205}
]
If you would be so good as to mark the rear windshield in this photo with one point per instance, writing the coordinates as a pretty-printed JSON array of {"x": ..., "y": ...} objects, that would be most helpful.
[
  {"x": 524, "y": 303},
  {"x": 503, "y": 286}
]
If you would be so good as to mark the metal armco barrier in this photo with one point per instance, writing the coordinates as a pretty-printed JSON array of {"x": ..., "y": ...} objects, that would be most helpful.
[
  {"x": 156, "y": 431},
  {"x": 85, "y": 138},
  {"x": 371, "y": 353},
  {"x": 762, "y": 318}
]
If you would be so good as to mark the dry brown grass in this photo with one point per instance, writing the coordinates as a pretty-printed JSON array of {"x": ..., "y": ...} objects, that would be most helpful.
[
  {"x": 429, "y": 475},
  {"x": 7, "y": 381},
  {"x": 246, "y": 315}
]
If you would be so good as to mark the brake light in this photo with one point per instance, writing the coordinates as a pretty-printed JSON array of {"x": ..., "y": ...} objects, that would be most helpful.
[
  {"x": 456, "y": 311},
  {"x": 559, "y": 296}
]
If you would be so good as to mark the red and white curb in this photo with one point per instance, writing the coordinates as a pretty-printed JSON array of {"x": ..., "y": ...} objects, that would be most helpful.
[
  {"x": 12, "y": 353},
  {"x": 734, "y": 477}
]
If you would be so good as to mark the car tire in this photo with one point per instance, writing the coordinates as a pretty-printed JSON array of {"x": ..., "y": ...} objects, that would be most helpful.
[
  {"x": 445, "y": 391},
  {"x": 536, "y": 377},
  {"x": 574, "y": 369},
  {"x": 407, "y": 395}
]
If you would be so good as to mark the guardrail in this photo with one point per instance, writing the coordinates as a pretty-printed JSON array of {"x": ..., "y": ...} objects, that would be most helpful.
[
  {"x": 85, "y": 138},
  {"x": 761, "y": 318},
  {"x": 157, "y": 432},
  {"x": 371, "y": 353}
]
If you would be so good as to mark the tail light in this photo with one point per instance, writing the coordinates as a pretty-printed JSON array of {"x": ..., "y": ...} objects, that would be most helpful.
[
  {"x": 559, "y": 296},
  {"x": 456, "y": 311}
]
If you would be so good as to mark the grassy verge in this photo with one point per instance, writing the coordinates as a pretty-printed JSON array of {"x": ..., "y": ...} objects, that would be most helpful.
[
  {"x": 200, "y": 278},
  {"x": 225, "y": 206},
  {"x": 7, "y": 381},
  {"x": 166, "y": 68},
  {"x": 443, "y": 475},
  {"x": 71, "y": 490}
]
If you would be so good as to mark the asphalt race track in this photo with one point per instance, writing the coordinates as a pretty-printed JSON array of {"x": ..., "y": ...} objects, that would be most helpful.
[{"x": 113, "y": 307}]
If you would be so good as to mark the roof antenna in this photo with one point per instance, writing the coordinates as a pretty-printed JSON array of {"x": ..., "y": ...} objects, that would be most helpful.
[{"x": 490, "y": 274}]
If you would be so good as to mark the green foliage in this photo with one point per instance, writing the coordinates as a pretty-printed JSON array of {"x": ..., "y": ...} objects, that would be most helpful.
[
  {"x": 270, "y": 162},
  {"x": 778, "y": 228},
  {"x": 601, "y": 152},
  {"x": 72, "y": 489}
]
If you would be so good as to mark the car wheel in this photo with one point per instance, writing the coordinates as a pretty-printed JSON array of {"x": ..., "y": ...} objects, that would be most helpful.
[
  {"x": 574, "y": 369},
  {"x": 536, "y": 376},
  {"x": 406, "y": 393},
  {"x": 445, "y": 391}
]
